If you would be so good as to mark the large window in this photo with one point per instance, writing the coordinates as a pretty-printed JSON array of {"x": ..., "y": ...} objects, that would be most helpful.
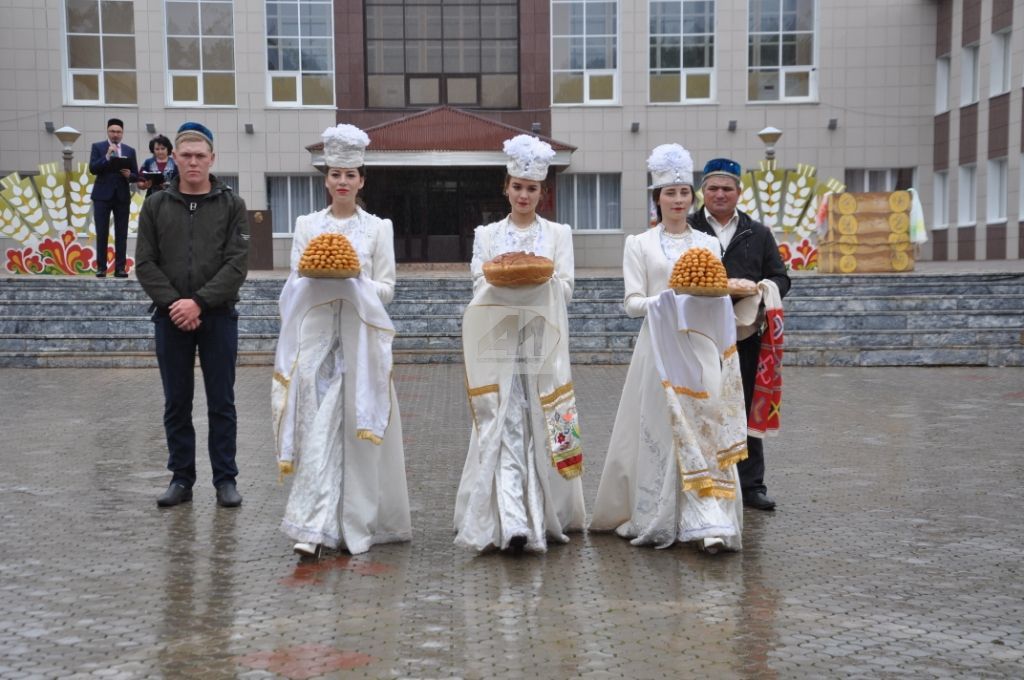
[
  {"x": 995, "y": 189},
  {"x": 682, "y": 51},
  {"x": 969, "y": 72},
  {"x": 999, "y": 78},
  {"x": 200, "y": 52},
  {"x": 590, "y": 201},
  {"x": 942, "y": 84},
  {"x": 967, "y": 205},
  {"x": 940, "y": 200},
  {"x": 890, "y": 179},
  {"x": 584, "y": 52},
  {"x": 290, "y": 197},
  {"x": 430, "y": 52},
  {"x": 100, "y": 52},
  {"x": 300, "y": 53},
  {"x": 781, "y": 51}
]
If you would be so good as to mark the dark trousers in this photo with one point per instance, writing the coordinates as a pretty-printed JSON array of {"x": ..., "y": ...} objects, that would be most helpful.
[
  {"x": 217, "y": 342},
  {"x": 752, "y": 469},
  {"x": 101, "y": 216}
]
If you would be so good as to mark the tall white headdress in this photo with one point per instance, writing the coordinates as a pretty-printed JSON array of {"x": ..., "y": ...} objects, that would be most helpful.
[
  {"x": 670, "y": 164},
  {"x": 344, "y": 146},
  {"x": 529, "y": 157}
]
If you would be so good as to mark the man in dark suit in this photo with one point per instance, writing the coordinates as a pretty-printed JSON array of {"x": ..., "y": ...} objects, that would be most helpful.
[
  {"x": 750, "y": 253},
  {"x": 112, "y": 192}
]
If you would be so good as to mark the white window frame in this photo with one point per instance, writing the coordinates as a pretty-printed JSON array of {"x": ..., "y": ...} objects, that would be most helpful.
[
  {"x": 889, "y": 179},
  {"x": 783, "y": 70},
  {"x": 942, "y": 85},
  {"x": 967, "y": 196},
  {"x": 199, "y": 73},
  {"x": 969, "y": 74},
  {"x": 589, "y": 72},
  {"x": 940, "y": 200},
  {"x": 574, "y": 220},
  {"x": 299, "y": 73},
  {"x": 996, "y": 185},
  {"x": 683, "y": 71},
  {"x": 69, "y": 73},
  {"x": 317, "y": 197},
  {"x": 999, "y": 64}
]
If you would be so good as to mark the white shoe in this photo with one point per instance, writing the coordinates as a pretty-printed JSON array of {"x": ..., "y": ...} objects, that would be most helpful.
[
  {"x": 711, "y": 545},
  {"x": 307, "y": 550}
]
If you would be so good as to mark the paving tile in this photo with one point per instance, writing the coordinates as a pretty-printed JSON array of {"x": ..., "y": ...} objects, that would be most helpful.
[{"x": 894, "y": 552}]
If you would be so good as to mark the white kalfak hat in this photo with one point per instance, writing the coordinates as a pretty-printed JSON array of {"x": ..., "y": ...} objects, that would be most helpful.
[
  {"x": 670, "y": 164},
  {"x": 529, "y": 157},
  {"x": 344, "y": 146}
]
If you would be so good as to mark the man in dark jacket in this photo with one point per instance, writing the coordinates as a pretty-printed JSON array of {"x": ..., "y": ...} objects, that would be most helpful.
[
  {"x": 116, "y": 167},
  {"x": 750, "y": 253},
  {"x": 191, "y": 258}
]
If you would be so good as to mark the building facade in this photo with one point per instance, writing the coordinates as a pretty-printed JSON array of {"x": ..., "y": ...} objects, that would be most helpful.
[{"x": 876, "y": 94}]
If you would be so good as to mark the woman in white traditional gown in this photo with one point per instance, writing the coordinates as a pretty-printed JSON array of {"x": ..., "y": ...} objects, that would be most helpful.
[
  {"x": 336, "y": 420},
  {"x": 521, "y": 481},
  {"x": 670, "y": 473}
]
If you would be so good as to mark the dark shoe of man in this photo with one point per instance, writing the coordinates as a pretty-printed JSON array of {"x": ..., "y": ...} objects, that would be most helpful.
[
  {"x": 227, "y": 495},
  {"x": 101, "y": 274},
  {"x": 120, "y": 274},
  {"x": 176, "y": 494},
  {"x": 758, "y": 500}
]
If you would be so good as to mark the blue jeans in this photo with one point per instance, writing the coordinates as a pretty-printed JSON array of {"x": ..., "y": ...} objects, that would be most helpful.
[{"x": 217, "y": 342}]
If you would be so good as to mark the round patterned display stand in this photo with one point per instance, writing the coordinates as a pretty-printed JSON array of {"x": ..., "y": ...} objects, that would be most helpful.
[
  {"x": 329, "y": 273},
  {"x": 702, "y": 291}
]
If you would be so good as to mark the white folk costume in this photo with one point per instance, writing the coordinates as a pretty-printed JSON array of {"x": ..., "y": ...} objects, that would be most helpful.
[
  {"x": 335, "y": 415},
  {"x": 670, "y": 473},
  {"x": 525, "y": 458}
]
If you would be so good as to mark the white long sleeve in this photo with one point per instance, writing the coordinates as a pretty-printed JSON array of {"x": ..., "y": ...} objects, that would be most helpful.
[
  {"x": 384, "y": 261},
  {"x": 634, "y": 277}
]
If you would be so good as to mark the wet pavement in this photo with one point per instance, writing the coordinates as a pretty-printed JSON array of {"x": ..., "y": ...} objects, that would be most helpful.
[{"x": 896, "y": 551}]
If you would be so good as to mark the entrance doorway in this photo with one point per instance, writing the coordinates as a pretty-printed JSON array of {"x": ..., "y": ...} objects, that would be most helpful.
[{"x": 435, "y": 210}]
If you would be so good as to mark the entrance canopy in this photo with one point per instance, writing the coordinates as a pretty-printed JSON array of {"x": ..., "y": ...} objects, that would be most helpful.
[{"x": 443, "y": 136}]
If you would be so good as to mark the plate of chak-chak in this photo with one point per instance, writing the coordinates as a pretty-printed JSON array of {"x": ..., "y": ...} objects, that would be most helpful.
[
  {"x": 329, "y": 256},
  {"x": 699, "y": 272},
  {"x": 516, "y": 269}
]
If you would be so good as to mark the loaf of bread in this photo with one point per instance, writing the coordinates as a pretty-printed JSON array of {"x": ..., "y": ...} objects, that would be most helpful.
[
  {"x": 699, "y": 272},
  {"x": 741, "y": 287},
  {"x": 511, "y": 270},
  {"x": 329, "y": 256}
]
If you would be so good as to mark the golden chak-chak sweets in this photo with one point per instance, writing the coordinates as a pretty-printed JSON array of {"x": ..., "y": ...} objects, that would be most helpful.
[
  {"x": 511, "y": 270},
  {"x": 329, "y": 256},
  {"x": 699, "y": 272}
]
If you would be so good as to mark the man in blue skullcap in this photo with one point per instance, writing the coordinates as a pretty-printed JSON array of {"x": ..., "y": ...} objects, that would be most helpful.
[
  {"x": 192, "y": 258},
  {"x": 750, "y": 252}
]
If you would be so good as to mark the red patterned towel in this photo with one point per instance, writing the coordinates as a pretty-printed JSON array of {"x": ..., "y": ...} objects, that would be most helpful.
[{"x": 767, "y": 401}]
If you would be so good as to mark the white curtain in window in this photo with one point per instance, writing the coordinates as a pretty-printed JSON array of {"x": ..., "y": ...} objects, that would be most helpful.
[
  {"x": 277, "y": 202},
  {"x": 586, "y": 202},
  {"x": 566, "y": 199},
  {"x": 611, "y": 202}
]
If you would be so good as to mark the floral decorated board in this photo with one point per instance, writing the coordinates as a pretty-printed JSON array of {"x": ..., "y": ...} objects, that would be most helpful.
[
  {"x": 790, "y": 203},
  {"x": 50, "y": 216}
]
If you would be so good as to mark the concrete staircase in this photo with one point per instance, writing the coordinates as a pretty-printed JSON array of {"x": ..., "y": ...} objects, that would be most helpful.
[{"x": 867, "y": 320}]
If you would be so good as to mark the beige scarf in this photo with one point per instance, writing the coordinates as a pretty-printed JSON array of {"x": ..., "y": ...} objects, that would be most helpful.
[
  {"x": 510, "y": 331},
  {"x": 693, "y": 340},
  {"x": 368, "y": 363}
]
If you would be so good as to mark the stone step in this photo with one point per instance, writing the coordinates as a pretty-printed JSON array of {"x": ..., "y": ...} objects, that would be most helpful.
[
  {"x": 586, "y": 288},
  {"x": 438, "y": 307},
  {"x": 830, "y": 320},
  {"x": 835, "y": 321}
]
